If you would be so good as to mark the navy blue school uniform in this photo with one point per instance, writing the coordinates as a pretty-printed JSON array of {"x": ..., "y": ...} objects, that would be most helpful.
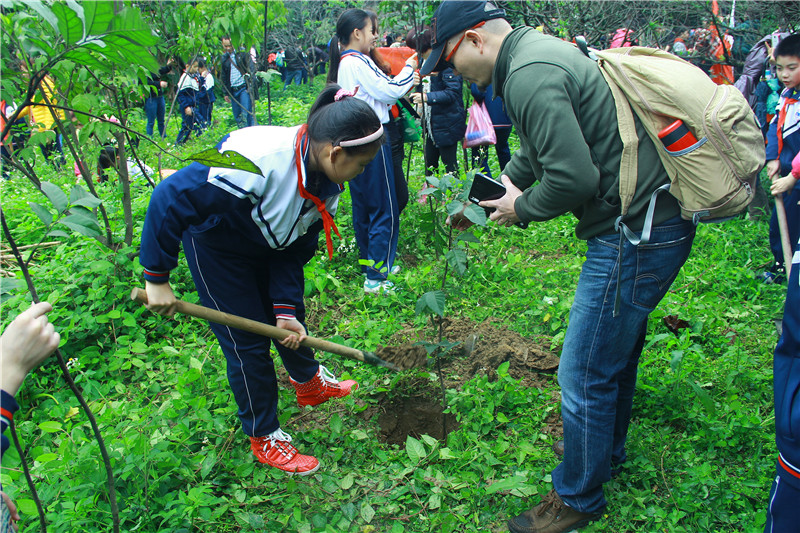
[
  {"x": 246, "y": 238},
  {"x": 785, "y": 150},
  {"x": 189, "y": 86},
  {"x": 782, "y": 511}
]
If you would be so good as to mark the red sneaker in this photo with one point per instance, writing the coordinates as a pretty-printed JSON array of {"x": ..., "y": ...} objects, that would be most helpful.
[
  {"x": 321, "y": 388},
  {"x": 276, "y": 450}
]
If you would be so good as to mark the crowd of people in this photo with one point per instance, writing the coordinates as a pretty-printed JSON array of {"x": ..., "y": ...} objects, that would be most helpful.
[{"x": 246, "y": 238}]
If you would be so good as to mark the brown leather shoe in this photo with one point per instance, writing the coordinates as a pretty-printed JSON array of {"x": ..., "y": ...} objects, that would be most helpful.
[
  {"x": 552, "y": 515},
  {"x": 558, "y": 448}
]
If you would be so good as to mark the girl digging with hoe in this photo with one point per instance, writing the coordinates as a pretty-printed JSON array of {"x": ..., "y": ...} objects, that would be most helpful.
[{"x": 246, "y": 238}]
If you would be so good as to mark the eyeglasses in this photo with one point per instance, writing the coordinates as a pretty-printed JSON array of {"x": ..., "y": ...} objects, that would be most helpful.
[{"x": 453, "y": 51}]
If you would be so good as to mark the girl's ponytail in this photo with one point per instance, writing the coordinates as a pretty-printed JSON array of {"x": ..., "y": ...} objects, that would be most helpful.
[
  {"x": 335, "y": 57},
  {"x": 346, "y": 119}
]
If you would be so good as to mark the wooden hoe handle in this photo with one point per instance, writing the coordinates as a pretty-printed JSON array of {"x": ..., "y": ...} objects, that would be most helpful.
[{"x": 253, "y": 326}]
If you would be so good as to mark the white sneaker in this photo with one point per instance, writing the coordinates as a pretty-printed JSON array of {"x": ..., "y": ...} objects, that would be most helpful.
[
  {"x": 395, "y": 270},
  {"x": 377, "y": 286}
]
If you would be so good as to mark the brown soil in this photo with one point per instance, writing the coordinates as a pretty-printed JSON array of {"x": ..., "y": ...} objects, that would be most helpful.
[{"x": 481, "y": 349}]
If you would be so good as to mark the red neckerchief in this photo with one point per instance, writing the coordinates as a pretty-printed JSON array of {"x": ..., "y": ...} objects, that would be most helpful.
[
  {"x": 300, "y": 145},
  {"x": 782, "y": 119}
]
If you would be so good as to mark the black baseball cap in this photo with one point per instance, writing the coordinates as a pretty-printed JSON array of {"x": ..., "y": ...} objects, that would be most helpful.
[{"x": 452, "y": 17}]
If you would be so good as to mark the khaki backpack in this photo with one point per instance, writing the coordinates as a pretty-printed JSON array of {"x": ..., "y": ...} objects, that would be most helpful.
[{"x": 713, "y": 179}]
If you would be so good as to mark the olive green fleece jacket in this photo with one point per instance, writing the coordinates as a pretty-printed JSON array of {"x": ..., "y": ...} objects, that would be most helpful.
[{"x": 564, "y": 115}]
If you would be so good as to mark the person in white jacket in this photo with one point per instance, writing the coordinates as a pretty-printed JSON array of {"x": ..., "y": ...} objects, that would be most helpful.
[{"x": 376, "y": 216}]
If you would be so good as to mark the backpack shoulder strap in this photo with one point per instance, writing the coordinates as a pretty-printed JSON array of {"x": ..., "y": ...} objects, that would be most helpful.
[{"x": 628, "y": 170}]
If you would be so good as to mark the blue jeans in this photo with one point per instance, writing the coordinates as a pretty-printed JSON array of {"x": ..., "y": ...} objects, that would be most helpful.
[
  {"x": 295, "y": 76},
  {"x": 241, "y": 104},
  {"x": 597, "y": 371},
  {"x": 154, "y": 109}
]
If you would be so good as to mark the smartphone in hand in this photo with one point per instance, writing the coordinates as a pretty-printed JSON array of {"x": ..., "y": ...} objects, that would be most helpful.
[{"x": 485, "y": 188}]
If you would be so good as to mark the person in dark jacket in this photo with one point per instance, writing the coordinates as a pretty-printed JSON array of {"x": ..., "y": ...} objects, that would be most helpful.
[
  {"x": 154, "y": 105},
  {"x": 295, "y": 66},
  {"x": 237, "y": 73},
  {"x": 445, "y": 116},
  {"x": 502, "y": 129}
]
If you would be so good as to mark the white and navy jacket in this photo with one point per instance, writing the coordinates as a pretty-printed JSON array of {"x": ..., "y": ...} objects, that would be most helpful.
[
  {"x": 240, "y": 212},
  {"x": 375, "y": 88}
]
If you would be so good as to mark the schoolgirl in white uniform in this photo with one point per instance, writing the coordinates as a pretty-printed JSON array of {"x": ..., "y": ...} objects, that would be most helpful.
[{"x": 376, "y": 217}]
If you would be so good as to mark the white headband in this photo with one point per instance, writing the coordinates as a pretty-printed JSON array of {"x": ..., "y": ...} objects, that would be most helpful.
[{"x": 363, "y": 140}]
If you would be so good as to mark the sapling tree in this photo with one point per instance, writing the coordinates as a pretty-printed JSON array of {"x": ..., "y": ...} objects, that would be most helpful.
[{"x": 447, "y": 196}]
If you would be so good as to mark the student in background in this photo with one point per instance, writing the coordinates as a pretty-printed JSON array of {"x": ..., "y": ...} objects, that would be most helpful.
[
  {"x": 783, "y": 145},
  {"x": 188, "y": 89},
  {"x": 376, "y": 217},
  {"x": 206, "y": 100}
]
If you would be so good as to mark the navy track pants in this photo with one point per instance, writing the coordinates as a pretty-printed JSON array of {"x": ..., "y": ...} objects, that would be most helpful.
[
  {"x": 376, "y": 216},
  {"x": 239, "y": 285}
]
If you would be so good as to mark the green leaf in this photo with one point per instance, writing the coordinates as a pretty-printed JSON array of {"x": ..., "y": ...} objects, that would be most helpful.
[
  {"x": 45, "y": 12},
  {"x": 457, "y": 259},
  {"x": 42, "y": 212},
  {"x": 475, "y": 214},
  {"x": 347, "y": 481},
  {"x": 46, "y": 457},
  {"x": 467, "y": 236},
  {"x": 227, "y": 159},
  {"x": 268, "y": 75},
  {"x": 432, "y": 301},
  {"x": 445, "y": 453},
  {"x": 208, "y": 464},
  {"x": 89, "y": 202},
  {"x": 367, "y": 512},
  {"x": 453, "y": 208},
  {"x": 97, "y": 16},
  {"x": 70, "y": 21},
  {"x": 50, "y": 426},
  {"x": 56, "y": 196},
  {"x": 82, "y": 223},
  {"x": 414, "y": 449},
  {"x": 506, "y": 484},
  {"x": 705, "y": 397}
]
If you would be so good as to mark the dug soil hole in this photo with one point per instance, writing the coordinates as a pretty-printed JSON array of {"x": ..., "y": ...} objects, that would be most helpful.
[{"x": 414, "y": 406}]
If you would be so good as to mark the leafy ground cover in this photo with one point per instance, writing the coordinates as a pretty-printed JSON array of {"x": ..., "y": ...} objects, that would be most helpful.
[{"x": 701, "y": 449}]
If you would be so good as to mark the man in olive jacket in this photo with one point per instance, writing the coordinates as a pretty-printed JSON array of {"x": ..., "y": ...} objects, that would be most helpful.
[{"x": 568, "y": 161}]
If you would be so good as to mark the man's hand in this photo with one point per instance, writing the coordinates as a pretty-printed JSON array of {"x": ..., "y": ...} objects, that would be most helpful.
[
  {"x": 292, "y": 341},
  {"x": 25, "y": 343},
  {"x": 773, "y": 168},
  {"x": 164, "y": 84},
  {"x": 228, "y": 99},
  {"x": 160, "y": 298},
  {"x": 188, "y": 111},
  {"x": 504, "y": 213}
]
